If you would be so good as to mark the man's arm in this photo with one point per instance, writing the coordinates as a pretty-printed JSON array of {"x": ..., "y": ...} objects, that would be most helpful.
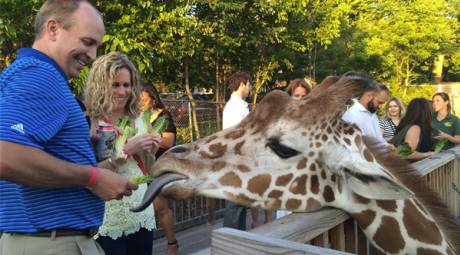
[{"x": 33, "y": 167}]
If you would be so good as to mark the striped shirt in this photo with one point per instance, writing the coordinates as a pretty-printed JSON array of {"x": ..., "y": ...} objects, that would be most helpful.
[
  {"x": 39, "y": 110},
  {"x": 389, "y": 128}
]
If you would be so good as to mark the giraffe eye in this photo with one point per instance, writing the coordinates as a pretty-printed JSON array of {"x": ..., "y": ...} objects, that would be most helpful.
[{"x": 281, "y": 150}]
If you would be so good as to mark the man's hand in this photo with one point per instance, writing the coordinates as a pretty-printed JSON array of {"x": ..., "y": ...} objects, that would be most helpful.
[
  {"x": 391, "y": 147},
  {"x": 110, "y": 185}
]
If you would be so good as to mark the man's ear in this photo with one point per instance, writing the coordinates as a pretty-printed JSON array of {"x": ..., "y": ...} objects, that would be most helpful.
[
  {"x": 367, "y": 179},
  {"x": 51, "y": 29}
]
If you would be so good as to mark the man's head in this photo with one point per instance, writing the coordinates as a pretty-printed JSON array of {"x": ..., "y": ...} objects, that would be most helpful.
[
  {"x": 380, "y": 97},
  {"x": 373, "y": 95},
  {"x": 69, "y": 31},
  {"x": 240, "y": 82}
]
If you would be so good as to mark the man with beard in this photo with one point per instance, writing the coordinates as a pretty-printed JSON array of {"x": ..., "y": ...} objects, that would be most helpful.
[{"x": 363, "y": 112}]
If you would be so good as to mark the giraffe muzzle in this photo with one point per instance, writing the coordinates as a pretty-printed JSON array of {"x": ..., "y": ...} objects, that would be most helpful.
[{"x": 154, "y": 189}]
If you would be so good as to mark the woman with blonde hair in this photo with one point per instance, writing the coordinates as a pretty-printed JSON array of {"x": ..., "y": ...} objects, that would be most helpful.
[
  {"x": 112, "y": 91},
  {"x": 394, "y": 111}
]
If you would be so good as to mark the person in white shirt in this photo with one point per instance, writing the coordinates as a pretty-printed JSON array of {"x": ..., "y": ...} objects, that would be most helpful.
[
  {"x": 363, "y": 112},
  {"x": 235, "y": 110}
]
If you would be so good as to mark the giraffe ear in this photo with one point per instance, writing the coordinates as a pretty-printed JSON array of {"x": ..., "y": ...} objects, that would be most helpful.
[{"x": 367, "y": 179}]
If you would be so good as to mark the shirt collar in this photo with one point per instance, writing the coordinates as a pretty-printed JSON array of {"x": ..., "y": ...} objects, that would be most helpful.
[
  {"x": 31, "y": 52},
  {"x": 360, "y": 107},
  {"x": 235, "y": 97}
]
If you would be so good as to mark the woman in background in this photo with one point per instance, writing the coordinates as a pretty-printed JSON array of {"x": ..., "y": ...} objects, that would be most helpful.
[
  {"x": 298, "y": 89},
  {"x": 415, "y": 129},
  {"x": 444, "y": 121},
  {"x": 112, "y": 91},
  {"x": 394, "y": 111},
  {"x": 150, "y": 100}
]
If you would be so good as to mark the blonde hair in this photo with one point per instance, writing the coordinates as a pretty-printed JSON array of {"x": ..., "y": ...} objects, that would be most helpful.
[
  {"x": 402, "y": 109},
  {"x": 98, "y": 91}
]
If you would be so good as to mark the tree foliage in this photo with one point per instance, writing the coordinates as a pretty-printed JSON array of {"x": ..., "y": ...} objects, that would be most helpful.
[{"x": 394, "y": 40}]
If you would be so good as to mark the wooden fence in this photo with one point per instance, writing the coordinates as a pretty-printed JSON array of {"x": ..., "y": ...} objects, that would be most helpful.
[{"x": 332, "y": 231}]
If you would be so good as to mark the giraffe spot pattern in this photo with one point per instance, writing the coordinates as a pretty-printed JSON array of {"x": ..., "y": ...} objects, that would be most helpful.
[
  {"x": 368, "y": 156},
  {"x": 283, "y": 180},
  {"x": 216, "y": 166},
  {"x": 313, "y": 205},
  {"x": 360, "y": 199},
  {"x": 423, "y": 251},
  {"x": 323, "y": 125},
  {"x": 347, "y": 141},
  {"x": 364, "y": 218},
  {"x": 311, "y": 154},
  {"x": 324, "y": 137},
  {"x": 275, "y": 194},
  {"x": 340, "y": 184},
  {"x": 231, "y": 179},
  {"x": 217, "y": 150},
  {"x": 358, "y": 141},
  {"x": 333, "y": 177},
  {"x": 390, "y": 243},
  {"x": 243, "y": 168},
  {"x": 314, "y": 184},
  {"x": 328, "y": 194},
  {"x": 235, "y": 134},
  {"x": 299, "y": 185},
  {"x": 211, "y": 138},
  {"x": 259, "y": 183},
  {"x": 293, "y": 204},
  {"x": 387, "y": 205},
  {"x": 240, "y": 198},
  {"x": 238, "y": 147},
  {"x": 273, "y": 204},
  {"x": 418, "y": 226},
  {"x": 302, "y": 163},
  {"x": 323, "y": 174}
]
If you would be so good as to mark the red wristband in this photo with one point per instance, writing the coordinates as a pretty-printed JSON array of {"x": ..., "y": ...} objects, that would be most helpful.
[{"x": 93, "y": 177}]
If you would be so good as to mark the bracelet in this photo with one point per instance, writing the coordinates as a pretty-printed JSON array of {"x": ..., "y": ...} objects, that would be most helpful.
[{"x": 93, "y": 177}]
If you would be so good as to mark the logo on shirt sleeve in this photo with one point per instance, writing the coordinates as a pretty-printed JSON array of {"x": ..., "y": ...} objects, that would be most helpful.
[{"x": 18, "y": 127}]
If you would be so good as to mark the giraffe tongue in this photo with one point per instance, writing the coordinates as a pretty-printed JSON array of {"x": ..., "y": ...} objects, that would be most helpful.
[{"x": 154, "y": 189}]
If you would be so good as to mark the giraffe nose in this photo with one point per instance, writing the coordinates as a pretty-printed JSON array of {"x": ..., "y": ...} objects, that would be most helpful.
[{"x": 178, "y": 149}]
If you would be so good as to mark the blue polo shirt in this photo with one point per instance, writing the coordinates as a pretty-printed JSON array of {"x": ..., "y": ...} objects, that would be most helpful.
[{"x": 38, "y": 110}]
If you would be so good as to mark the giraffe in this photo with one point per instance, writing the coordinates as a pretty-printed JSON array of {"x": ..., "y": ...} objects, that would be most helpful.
[{"x": 301, "y": 156}]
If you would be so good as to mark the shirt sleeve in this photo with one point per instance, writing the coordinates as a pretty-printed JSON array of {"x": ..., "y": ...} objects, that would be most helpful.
[
  {"x": 456, "y": 127},
  {"x": 171, "y": 127},
  {"x": 32, "y": 107}
]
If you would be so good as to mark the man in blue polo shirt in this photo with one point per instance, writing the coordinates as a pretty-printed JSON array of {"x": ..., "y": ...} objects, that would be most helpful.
[{"x": 50, "y": 187}]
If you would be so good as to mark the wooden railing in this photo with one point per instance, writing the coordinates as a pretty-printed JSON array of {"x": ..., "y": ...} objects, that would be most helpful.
[{"x": 332, "y": 231}]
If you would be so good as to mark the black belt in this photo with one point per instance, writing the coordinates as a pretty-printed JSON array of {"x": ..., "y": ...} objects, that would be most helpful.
[{"x": 90, "y": 232}]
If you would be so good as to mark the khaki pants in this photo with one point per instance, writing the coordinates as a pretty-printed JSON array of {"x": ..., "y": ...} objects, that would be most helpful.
[{"x": 14, "y": 244}]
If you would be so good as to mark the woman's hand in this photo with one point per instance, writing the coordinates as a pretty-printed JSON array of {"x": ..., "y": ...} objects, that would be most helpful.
[
  {"x": 443, "y": 135},
  {"x": 141, "y": 143},
  {"x": 428, "y": 154}
]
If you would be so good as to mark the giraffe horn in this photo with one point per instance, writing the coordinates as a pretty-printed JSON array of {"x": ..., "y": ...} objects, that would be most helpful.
[{"x": 154, "y": 189}]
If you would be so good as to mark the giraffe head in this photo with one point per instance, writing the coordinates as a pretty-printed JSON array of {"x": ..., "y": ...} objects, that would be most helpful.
[
  {"x": 301, "y": 156},
  {"x": 295, "y": 155}
]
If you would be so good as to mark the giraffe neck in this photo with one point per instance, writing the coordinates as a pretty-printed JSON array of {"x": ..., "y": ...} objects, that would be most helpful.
[{"x": 398, "y": 226}]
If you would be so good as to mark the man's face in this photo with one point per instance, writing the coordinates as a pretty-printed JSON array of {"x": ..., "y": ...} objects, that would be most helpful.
[
  {"x": 380, "y": 99},
  {"x": 246, "y": 89},
  {"x": 76, "y": 47}
]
